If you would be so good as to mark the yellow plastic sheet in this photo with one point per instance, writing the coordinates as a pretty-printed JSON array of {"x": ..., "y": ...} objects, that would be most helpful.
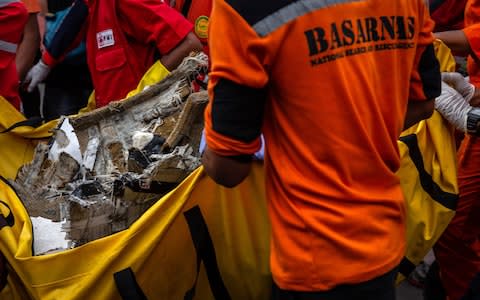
[
  {"x": 203, "y": 241},
  {"x": 200, "y": 240}
]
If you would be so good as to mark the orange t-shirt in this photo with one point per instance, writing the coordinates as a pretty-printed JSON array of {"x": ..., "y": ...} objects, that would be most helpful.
[
  {"x": 336, "y": 80},
  {"x": 33, "y": 6}
]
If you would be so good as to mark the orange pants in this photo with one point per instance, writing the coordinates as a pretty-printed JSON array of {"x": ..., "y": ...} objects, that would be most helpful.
[{"x": 458, "y": 249}]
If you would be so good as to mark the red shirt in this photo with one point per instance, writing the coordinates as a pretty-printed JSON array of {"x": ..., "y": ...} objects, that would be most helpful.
[
  {"x": 121, "y": 46},
  {"x": 123, "y": 40},
  {"x": 13, "y": 18}
]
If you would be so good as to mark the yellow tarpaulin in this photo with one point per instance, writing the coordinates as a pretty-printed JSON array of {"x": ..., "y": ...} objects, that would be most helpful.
[
  {"x": 199, "y": 240},
  {"x": 203, "y": 241}
]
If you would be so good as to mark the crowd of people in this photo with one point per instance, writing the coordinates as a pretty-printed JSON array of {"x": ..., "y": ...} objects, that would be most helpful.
[{"x": 327, "y": 86}]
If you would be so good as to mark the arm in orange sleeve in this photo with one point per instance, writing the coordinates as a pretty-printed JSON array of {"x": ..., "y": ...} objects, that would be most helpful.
[
  {"x": 425, "y": 82},
  {"x": 237, "y": 90}
]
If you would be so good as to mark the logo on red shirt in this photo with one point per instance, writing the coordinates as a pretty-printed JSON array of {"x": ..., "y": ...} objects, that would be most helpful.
[{"x": 105, "y": 39}]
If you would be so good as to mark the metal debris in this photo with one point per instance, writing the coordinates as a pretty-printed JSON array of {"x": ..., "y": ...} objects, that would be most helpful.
[{"x": 103, "y": 169}]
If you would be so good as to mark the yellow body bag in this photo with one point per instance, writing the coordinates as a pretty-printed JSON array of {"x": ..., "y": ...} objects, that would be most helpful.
[
  {"x": 428, "y": 175},
  {"x": 200, "y": 241},
  {"x": 203, "y": 241}
]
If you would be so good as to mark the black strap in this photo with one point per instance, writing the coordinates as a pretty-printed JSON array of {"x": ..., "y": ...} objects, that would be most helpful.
[
  {"x": 406, "y": 267},
  {"x": 31, "y": 122},
  {"x": 205, "y": 251},
  {"x": 446, "y": 199},
  {"x": 8, "y": 220},
  {"x": 127, "y": 285},
  {"x": 186, "y": 7}
]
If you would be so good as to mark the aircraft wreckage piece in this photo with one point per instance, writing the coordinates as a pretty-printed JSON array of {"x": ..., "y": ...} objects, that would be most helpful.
[{"x": 103, "y": 169}]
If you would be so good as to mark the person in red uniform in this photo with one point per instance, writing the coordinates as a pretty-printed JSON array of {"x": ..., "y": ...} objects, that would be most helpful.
[
  {"x": 123, "y": 40},
  {"x": 458, "y": 249},
  {"x": 331, "y": 85},
  {"x": 13, "y": 17}
]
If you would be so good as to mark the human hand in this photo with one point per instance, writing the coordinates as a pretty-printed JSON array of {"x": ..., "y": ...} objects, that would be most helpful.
[
  {"x": 453, "y": 107},
  {"x": 459, "y": 83},
  {"x": 38, "y": 73}
]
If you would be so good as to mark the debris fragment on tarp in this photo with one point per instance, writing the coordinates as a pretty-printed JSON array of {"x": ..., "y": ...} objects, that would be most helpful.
[{"x": 101, "y": 170}]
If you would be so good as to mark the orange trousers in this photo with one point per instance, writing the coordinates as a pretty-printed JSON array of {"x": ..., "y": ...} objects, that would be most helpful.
[{"x": 458, "y": 249}]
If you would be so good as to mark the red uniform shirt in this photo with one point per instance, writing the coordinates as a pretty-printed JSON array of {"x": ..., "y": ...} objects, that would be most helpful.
[
  {"x": 121, "y": 46},
  {"x": 123, "y": 39},
  {"x": 13, "y": 17}
]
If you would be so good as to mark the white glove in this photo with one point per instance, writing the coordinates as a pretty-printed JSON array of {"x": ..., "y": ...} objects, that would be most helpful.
[
  {"x": 37, "y": 74},
  {"x": 458, "y": 82},
  {"x": 453, "y": 107}
]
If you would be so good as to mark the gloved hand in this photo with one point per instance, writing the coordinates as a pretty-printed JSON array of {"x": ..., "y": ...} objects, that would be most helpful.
[
  {"x": 453, "y": 107},
  {"x": 37, "y": 74},
  {"x": 458, "y": 82}
]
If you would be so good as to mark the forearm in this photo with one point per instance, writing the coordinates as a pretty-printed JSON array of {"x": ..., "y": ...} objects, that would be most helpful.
[
  {"x": 172, "y": 59},
  {"x": 27, "y": 50},
  {"x": 417, "y": 111},
  {"x": 225, "y": 170},
  {"x": 456, "y": 40}
]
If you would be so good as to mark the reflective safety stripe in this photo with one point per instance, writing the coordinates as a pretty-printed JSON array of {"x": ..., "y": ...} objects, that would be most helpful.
[
  {"x": 7, "y": 46},
  {"x": 7, "y": 2},
  {"x": 292, "y": 11}
]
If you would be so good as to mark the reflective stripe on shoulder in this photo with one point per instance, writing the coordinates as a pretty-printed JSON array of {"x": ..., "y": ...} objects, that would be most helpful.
[
  {"x": 7, "y": 2},
  {"x": 7, "y": 46},
  {"x": 292, "y": 11}
]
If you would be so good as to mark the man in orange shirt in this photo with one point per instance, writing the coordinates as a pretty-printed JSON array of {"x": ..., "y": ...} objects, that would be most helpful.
[{"x": 331, "y": 85}]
